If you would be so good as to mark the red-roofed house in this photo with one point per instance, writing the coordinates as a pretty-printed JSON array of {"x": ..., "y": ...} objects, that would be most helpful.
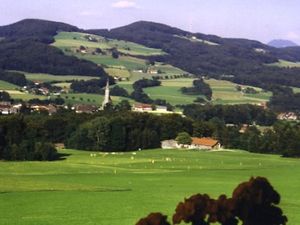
[
  {"x": 142, "y": 107},
  {"x": 204, "y": 143}
]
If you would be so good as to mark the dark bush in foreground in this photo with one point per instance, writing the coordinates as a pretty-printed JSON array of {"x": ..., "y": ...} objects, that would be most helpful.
[{"x": 252, "y": 203}]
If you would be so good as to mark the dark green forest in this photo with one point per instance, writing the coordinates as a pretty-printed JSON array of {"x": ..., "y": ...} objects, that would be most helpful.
[{"x": 31, "y": 136}]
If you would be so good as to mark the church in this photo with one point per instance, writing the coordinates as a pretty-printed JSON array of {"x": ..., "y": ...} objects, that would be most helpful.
[{"x": 107, "y": 99}]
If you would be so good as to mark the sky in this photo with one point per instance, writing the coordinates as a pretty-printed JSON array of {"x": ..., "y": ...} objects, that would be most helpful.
[{"x": 261, "y": 20}]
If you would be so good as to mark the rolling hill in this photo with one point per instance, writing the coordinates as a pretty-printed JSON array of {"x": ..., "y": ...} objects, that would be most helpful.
[
  {"x": 46, "y": 47},
  {"x": 240, "y": 60}
]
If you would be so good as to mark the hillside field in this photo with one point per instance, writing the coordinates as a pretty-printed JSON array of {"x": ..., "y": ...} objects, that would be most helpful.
[
  {"x": 286, "y": 64},
  {"x": 224, "y": 92},
  {"x": 114, "y": 189}
]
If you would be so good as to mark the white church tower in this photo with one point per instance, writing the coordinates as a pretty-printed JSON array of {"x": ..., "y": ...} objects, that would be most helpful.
[{"x": 107, "y": 98}]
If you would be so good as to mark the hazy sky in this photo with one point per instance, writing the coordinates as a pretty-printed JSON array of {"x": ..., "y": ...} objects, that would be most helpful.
[{"x": 253, "y": 19}]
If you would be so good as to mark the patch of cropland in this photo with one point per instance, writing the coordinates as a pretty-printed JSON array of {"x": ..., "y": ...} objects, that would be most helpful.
[{"x": 93, "y": 184}]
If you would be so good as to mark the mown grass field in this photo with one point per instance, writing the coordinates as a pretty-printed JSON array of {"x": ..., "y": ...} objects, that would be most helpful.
[
  {"x": 85, "y": 98},
  {"x": 43, "y": 77},
  {"x": 7, "y": 86},
  {"x": 119, "y": 189},
  {"x": 170, "y": 91},
  {"x": 74, "y": 39},
  {"x": 224, "y": 92},
  {"x": 284, "y": 63}
]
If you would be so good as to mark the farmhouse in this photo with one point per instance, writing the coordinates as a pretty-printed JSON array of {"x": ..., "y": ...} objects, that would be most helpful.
[
  {"x": 51, "y": 109},
  {"x": 142, "y": 107},
  {"x": 160, "y": 108},
  {"x": 197, "y": 143},
  {"x": 169, "y": 144},
  {"x": 81, "y": 108},
  {"x": 204, "y": 143},
  {"x": 6, "y": 108}
]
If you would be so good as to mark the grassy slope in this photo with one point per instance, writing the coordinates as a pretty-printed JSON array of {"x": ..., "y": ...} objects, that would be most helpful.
[
  {"x": 224, "y": 92},
  {"x": 66, "y": 40},
  {"x": 284, "y": 63},
  {"x": 170, "y": 91},
  {"x": 119, "y": 189},
  {"x": 14, "y": 92},
  {"x": 7, "y": 86},
  {"x": 42, "y": 77},
  {"x": 84, "y": 98}
]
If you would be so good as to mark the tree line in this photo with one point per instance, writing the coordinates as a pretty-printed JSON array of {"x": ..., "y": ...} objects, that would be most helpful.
[{"x": 118, "y": 129}]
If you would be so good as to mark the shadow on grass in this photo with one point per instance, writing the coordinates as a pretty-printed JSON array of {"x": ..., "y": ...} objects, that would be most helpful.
[{"x": 62, "y": 156}]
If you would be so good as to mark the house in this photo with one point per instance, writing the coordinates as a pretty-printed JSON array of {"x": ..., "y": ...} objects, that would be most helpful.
[
  {"x": 7, "y": 108},
  {"x": 169, "y": 144},
  {"x": 51, "y": 109},
  {"x": 204, "y": 143},
  {"x": 152, "y": 71},
  {"x": 287, "y": 116},
  {"x": 81, "y": 108},
  {"x": 161, "y": 108},
  {"x": 243, "y": 128},
  {"x": 142, "y": 107},
  {"x": 197, "y": 143}
]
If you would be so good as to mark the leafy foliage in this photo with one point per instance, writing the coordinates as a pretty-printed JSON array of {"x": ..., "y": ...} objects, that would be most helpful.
[
  {"x": 199, "y": 88},
  {"x": 252, "y": 202},
  {"x": 13, "y": 77}
]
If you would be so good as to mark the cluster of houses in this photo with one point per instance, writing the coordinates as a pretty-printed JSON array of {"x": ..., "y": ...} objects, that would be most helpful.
[
  {"x": 140, "y": 107},
  {"x": 7, "y": 108},
  {"x": 197, "y": 143},
  {"x": 287, "y": 116}
]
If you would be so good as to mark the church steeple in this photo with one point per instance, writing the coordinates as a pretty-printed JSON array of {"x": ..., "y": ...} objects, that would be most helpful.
[{"x": 107, "y": 98}]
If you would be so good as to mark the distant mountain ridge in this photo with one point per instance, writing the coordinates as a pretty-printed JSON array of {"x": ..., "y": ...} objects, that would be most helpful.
[{"x": 280, "y": 43}]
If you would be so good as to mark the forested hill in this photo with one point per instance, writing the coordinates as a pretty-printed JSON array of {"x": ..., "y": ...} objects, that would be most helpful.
[
  {"x": 212, "y": 55},
  {"x": 41, "y": 30},
  {"x": 24, "y": 46}
]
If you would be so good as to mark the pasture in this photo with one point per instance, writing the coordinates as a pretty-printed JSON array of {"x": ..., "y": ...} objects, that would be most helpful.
[
  {"x": 170, "y": 91},
  {"x": 7, "y": 86},
  {"x": 224, "y": 92},
  {"x": 74, "y": 40},
  {"x": 287, "y": 64},
  {"x": 43, "y": 77},
  {"x": 86, "y": 98},
  {"x": 114, "y": 189}
]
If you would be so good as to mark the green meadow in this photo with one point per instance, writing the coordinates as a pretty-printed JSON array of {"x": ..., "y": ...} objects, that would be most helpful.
[
  {"x": 7, "y": 86},
  {"x": 284, "y": 63},
  {"x": 43, "y": 77},
  {"x": 170, "y": 91},
  {"x": 73, "y": 40},
  {"x": 224, "y": 92},
  {"x": 85, "y": 98},
  {"x": 114, "y": 189}
]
